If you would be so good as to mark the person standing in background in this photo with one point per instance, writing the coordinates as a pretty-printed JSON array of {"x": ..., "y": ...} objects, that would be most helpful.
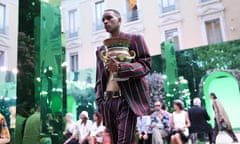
[
  {"x": 198, "y": 117},
  {"x": 221, "y": 119}
]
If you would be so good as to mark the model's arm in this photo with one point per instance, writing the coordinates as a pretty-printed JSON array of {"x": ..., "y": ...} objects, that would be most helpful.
[
  {"x": 142, "y": 64},
  {"x": 99, "y": 87}
]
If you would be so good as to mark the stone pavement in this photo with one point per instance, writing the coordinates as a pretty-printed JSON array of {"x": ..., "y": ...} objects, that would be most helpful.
[{"x": 224, "y": 138}]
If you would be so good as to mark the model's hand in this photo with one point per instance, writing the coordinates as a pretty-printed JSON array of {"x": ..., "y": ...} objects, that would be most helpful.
[
  {"x": 145, "y": 137},
  {"x": 112, "y": 65},
  {"x": 140, "y": 136}
]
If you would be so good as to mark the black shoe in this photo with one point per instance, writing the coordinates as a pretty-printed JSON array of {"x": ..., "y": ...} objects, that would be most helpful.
[{"x": 235, "y": 141}]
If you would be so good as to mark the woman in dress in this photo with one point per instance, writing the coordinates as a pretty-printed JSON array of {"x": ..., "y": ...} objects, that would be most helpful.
[{"x": 179, "y": 123}]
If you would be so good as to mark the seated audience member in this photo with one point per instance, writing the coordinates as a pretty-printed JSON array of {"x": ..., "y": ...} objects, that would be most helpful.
[
  {"x": 48, "y": 124},
  {"x": 143, "y": 123},
  {"x": 70, "y": 132},
  {"x": 4, "y": 132},
  {"x": 31, "y": 133},
  {"x": 12, "y": 124},
  {"x": 106, "y": 137},
  {"x": 179, "y": 123},
  {"x": 159, "y": 124},
  {"x": 84, "y": 128},
  {"x": 198, "y": 117},
  {"x": 97, "y": 129}
]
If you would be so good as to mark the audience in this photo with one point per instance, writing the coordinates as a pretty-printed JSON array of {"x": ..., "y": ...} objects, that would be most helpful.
[
  {"x": 4, "y": 132},
  {"x": 198, "y": 117},
  {"x": 143, "y": 126},
  {"x": 84, "y": 128},
  {"x": 31, "y": 133},
  {"x": 179, "y": 123},
  {"x": 159, "y": 124},
  {"x": 70, "y": 132},
  {"x": 97, "y": 129}
]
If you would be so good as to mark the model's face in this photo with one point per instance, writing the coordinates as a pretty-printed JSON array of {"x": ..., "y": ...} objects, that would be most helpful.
[
  {"x": 176, "y": 107},
  {"x": 111, "y": 21}
]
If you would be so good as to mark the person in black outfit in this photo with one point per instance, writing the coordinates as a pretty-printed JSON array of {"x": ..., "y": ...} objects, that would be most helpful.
[{"x": 198, "y": 117}]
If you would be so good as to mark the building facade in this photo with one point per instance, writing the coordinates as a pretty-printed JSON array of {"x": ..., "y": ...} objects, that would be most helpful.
[
  {"x": 8, "y": 36},
  {"x": 188, "y": 23}
]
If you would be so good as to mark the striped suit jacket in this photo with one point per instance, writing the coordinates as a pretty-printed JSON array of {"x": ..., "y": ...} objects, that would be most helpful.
[{"x": 135, "y": 89}]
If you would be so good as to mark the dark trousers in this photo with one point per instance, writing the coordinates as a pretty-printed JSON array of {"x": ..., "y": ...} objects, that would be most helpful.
[
  {"x": 148, "y": 141},
  {"x": 229, "y": 132},
  {"x": 120, "y": 120}
]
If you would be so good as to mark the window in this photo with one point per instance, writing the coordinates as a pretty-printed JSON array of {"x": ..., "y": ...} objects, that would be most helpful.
[
  {"x": 173, "y": 36},
  {"x": 2, "y": 19},
  {"x": 213, "y": 30},
  {"x": 74, "y": 62},
  {"x": 72, "y": 23},
  {"x": 168, "y": 5},
  {"x": 99, "y": 8},
  {"x": 132, "y": 10},
  {"x": 2, "y": 58},
  {"x": 204, "y": 1}
]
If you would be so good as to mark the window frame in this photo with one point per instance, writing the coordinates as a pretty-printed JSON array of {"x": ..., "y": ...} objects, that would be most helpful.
[
  {"x": 209, "y": 17},
  {"x": 168, "y": 31},
  {"x": 98, "y": 22},
  {"x": 2, "y": 58},
  {"x": 74, "y": 65},
  {"x": 3, "y": 29},
  {"x": 132, "y": 16},
  {"x": 213, "y": 30},
  {"x": 169, "y": 8},
  {"x": 204, "y": 1},
  {"x": 72, "y": 31}
]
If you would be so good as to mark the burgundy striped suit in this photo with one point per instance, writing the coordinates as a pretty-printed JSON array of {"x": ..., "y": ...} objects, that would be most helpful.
[{"x": 120, "y": 114}]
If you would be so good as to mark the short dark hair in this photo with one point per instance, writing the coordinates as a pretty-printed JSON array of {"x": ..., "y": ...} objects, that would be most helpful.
[
  {"x": 117, "y": 13},
  {"x": 164, "y": 106},
  {"x": 214, "y": 95},
  {"x": 179, "y": 103}
]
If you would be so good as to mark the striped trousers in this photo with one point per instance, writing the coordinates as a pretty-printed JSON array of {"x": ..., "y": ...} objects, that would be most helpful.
[{"x": 120, "y": 120}]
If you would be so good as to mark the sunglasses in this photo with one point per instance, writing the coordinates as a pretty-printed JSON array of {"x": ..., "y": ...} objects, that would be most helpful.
[{"x": 157, "y": 105}]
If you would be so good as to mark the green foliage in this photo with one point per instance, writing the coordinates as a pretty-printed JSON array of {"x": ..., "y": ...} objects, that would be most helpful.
[
  {"x": 155, "y": 85},
  {"x": 221, "y": 56},
  {"x": 25, "y": 79},
  {"x": 28, "y": 10},
  {"x": 194, "y": 63}
]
